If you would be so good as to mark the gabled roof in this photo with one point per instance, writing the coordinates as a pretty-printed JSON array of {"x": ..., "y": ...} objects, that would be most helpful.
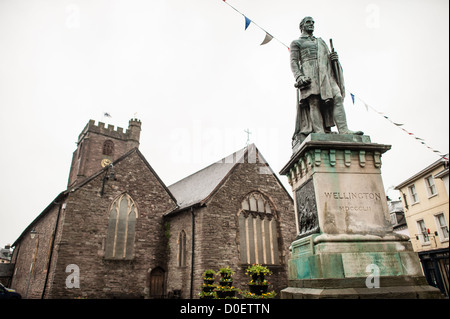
[
  {"x": 60, "y": 198},
  {"x": 199, "y": 187},
  {"x": 443, "y": 161},
  {"x": 87, "y": 180},
  {"x": 57, "y": 201}
]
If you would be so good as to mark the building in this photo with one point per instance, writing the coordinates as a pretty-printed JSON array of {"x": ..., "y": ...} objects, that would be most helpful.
[
  {"x": 397, "y": 216},
  {"x": 241, "y": 214},
  {"x": 426, "y": 206},
  {"x": 443, "y": 175},
  {"x": 5, "y": 255},
  {"x": 118, "y": 231},
  {"x": 6, "y": 267}
]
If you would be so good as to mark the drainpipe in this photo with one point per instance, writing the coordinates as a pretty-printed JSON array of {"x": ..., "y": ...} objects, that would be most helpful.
[{"x": 192, "y": 254}]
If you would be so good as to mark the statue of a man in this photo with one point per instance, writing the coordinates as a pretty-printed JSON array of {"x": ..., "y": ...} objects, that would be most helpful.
[{"x": 321, "y": 87}]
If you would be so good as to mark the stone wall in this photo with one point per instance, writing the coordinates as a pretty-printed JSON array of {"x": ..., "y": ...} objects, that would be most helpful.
[
  {"x": 179, "y": 276},
  {"x": 82, "y": 234},
  {"x": 216, "y": 231},
  {"x": 88, "y": 211},
  {"x": 32, "y": 255}
]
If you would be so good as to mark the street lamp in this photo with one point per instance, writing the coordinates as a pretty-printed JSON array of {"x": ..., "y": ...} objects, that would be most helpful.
[{"x": 33, "y": 233}]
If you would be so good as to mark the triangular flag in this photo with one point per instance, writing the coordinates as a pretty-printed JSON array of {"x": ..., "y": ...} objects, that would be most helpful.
[
  {"x": 353, "y": 98},
  {"x": 267, "y": 39},
  {"x": 247, "y": 22}
]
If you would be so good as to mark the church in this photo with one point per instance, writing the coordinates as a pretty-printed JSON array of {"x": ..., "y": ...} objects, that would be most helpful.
[{"x": 118, "y": 231}]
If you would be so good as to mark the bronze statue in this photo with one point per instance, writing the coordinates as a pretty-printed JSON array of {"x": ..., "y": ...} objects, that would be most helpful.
[{"x": 320, "y": 85}]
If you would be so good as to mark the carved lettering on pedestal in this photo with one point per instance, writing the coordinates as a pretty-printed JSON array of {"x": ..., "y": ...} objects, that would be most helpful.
[
  {"x": 354, "y": 201},
  {"x": 353, "y": 195}
]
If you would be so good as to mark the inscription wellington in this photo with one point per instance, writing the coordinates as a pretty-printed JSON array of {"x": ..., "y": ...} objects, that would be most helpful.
[{"x": 348, "y": 197}]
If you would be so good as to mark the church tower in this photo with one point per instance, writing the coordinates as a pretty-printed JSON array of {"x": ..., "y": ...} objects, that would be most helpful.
[{"x": 98, "y": 146}]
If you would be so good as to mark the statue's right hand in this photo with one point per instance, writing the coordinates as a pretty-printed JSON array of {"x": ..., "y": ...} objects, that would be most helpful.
[{"x": 303, "y": 81}]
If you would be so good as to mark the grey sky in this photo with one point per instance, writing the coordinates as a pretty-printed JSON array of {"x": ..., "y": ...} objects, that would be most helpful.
[{"x": 197, "y": 80}]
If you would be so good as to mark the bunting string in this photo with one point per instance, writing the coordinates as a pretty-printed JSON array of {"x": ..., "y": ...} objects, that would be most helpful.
[
  {"x": 248, "y": 21},
  {"x": 400, "y": 126},
  {"x": 269, "y": 38}
]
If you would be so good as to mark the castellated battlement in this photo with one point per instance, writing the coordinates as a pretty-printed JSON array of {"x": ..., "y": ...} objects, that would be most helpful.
[{"x": 132, "y": 133}]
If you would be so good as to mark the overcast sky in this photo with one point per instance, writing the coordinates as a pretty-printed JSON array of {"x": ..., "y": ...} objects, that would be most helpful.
[{"x": 196, "y": 79}]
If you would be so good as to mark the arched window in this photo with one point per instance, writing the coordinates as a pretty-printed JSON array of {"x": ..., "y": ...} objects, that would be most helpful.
[
  {"x": 182, "y": 249},
  {"x": 121, "y": 228},
  {"x": 108, "y": 148},
  {"x": 258, "y": 230}
]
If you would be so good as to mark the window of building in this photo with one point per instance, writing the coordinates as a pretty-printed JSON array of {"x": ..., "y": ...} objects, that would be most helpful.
[
  {"x": 182, "y": 249},
  {"x": 431, "y": 187},
  {"x": 108, "y": 148},
  {"x": 121, "y": 228},
  {"x": 413, "y": 194},
  {"x": 423, "y": 233},
  {"x": 258, "y": 230},
  {"x": 442, "y": 226}
]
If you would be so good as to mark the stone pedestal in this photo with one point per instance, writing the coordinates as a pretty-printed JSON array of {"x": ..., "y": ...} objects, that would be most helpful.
[{"x": 345, "y": 244}]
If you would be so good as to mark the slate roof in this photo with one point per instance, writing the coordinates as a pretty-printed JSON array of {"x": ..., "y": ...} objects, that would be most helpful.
[{"x": 198, "y": 187}]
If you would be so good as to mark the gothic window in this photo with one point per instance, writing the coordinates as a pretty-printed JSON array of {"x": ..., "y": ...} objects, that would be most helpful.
[
  {"x": 108, "y": 148},
  {"x": 121, "y": 228},
  {"x": 182, "y": 249},
  {"x": 258, "y": 231}
]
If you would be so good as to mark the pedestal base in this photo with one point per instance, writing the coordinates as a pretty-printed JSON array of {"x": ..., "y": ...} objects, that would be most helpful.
[
  {"x": 391, "y": 287},
  {"x": 355, "y": 266},
  {"x": 345, "y": 237},
  {"x": 344, "y": 256}
]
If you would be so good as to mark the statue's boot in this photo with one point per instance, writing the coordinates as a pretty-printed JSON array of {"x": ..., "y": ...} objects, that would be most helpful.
[{"x": 341, "y": 120}]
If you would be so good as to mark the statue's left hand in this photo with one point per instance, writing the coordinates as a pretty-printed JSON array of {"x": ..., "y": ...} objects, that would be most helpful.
[{"x": 334, "y": 56}]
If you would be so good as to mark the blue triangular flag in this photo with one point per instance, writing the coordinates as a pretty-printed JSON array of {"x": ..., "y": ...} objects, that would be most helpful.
[
  {"x": 353, "y": 98},
  {"x": 247, "y": 22}
]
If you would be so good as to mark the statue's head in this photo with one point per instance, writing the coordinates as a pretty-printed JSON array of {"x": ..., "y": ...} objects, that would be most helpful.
[{"x": 307, "y": 24}]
